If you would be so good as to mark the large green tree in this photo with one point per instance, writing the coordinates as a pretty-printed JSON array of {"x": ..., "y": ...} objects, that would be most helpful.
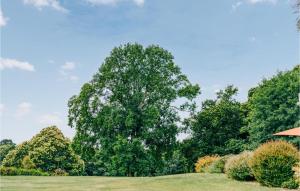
[
  {"x": 216, "y": 129},
  {"x": 127, "y": 115},
  {"x": 273, "y": 106}
]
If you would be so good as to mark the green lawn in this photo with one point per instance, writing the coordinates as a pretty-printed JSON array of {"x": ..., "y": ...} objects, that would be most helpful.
[{"x": 189, "y": 182}]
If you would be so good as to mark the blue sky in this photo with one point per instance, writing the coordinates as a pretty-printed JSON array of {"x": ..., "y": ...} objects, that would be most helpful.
[{"x": 49, "y": 48}]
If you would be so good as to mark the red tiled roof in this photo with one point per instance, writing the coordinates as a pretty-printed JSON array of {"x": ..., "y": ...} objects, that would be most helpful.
[{"x": 290, "y": 132}]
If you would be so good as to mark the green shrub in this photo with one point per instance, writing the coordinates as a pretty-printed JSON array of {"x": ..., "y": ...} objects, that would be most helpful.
[
  {"x": 12, "y": 171},
  {"x": 290, "y": 184},
  {"x": 296, "y": 169},
  {"x": 176, "y": 164},
  {"x": 204, "y": 162},
  {"x": 237, "y": 167},
  {"x": 272, "y": 163},
  {"x": 218, "y": 166}
]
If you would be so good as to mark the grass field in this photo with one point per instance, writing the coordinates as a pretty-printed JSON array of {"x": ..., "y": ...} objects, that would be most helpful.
[{"x": 184, "y": 182}]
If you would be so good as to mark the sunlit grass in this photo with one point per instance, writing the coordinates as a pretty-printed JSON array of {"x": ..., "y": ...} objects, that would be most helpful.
[{"x": 183, "y": 182}]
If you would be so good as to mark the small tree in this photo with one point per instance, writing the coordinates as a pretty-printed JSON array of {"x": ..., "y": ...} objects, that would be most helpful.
[{"x": 50, "y": 150}]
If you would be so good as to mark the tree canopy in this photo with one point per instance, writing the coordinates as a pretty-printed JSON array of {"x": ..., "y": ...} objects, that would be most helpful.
[
  {"x": 126, "y": 115},
  {"x": 216, "y": 128},
  {"x": 273, "y": 106}
]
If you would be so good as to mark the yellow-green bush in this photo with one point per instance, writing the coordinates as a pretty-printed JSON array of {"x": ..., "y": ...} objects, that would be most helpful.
[
  {"x": 237, "y": 167},
  {"x": 27, "y": 163},
  {"x": 60, "y": 172},
  {"x": 272, "y": 163},
  {"x": 204, "y": 162}
]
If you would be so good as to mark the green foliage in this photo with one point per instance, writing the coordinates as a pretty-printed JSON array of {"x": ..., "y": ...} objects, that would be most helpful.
[
  {"x": 218, "y": 166},
  {"x": 15, "y": 157},
  {"x": 216, "y": 128},
  {"x": 50, "y": 150},
  {"x": 6, "y": 145},
  {"x": 290, "y": 184},
  {"x": 203, "y": 163},
  {"x": 273, "y": 162},
  {"x": 130, "y": 101},
  {"x": 27, "y": 163},
  {"x": 129, "y": 159},
  {"x": 7, "y": 142},
  {"x": 273, "y": 107},
  {"x": 12, "y": 171},
  {"x": 237, "y": 167},
  {"x": 176, "y": 164},
  {"x": 189, "y": 150},
  {"x": 296, "y": 170}
]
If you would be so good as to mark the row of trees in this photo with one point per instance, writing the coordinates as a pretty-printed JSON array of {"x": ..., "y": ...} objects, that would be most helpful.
[
  {"x": 225, "y": 126},
  {"x": 128, "y": 116}
]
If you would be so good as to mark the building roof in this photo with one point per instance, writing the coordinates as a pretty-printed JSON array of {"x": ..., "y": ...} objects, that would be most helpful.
[{"x": 290, "y": 132}]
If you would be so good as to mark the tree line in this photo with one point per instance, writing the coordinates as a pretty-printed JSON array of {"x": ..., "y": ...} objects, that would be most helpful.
[{"x": 128, "y": 117}]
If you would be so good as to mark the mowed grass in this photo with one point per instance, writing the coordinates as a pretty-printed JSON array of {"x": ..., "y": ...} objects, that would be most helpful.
[{"x": 183, "y": 182}]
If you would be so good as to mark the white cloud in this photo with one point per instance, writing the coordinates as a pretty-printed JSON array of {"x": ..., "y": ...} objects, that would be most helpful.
[
  {"x": 50, "y": 119},
  {"x": 262, "y": 1},
  {"x": 2, "y": 108},
  {"x": 236, "y": 5},
  {"x": 3, "y": 20},
  {"x": 23, "y": 109},
  {"x": 46, "y": 3},
  {"x": 68, "y": 66},
  {"x": 114, "y": 2},
  {"x": 12, "y": 63},
  {"x": 139, "y": 2},
  {"x": 65, "y": 71}
]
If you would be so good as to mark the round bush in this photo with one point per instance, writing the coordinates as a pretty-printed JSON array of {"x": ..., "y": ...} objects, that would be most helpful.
[
  {"x": 237, "y": 167},
  {"x": 272, "y": 163},
  {"x": 204, "y": 162}
]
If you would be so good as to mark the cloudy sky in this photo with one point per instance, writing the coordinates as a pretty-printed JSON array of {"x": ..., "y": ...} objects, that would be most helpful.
[{"x": 49, "y": 48}]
